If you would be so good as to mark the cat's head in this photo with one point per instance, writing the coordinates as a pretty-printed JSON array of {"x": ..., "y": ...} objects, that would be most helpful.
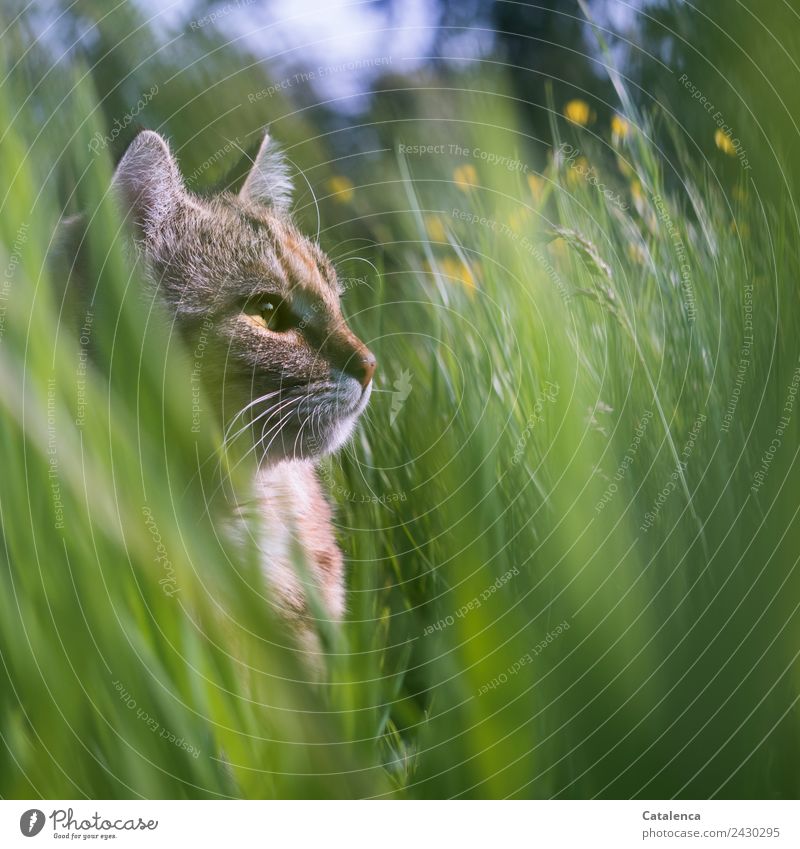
[{"x": 256, "y": 301}]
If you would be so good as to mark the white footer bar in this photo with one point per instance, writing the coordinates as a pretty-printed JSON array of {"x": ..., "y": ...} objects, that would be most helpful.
[{"x": 402, "y": 824}]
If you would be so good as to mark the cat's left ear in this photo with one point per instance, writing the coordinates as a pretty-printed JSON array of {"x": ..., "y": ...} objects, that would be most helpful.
[
  {"x": 269, "y": 182},
  {"x": 149, "y": 182}
]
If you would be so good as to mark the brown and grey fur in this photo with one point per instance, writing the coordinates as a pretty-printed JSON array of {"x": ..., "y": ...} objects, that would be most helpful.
[{"x": 212, "y": 260}]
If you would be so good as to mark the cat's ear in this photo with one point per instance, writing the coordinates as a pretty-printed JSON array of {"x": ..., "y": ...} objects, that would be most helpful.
[
  {"x": 148, "y": 182},
  {"x": 269, "y": 182}
]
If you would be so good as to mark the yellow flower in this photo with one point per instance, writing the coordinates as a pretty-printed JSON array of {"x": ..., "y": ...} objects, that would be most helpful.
[
  {"x": 536, "y": 185},
  {"x": 641, "y": 204},
  {"x": 578, "y": 170},
  {"x": 435, "y": 228},
  {"x": 579, "y": 112},
  {"x": 724, "y": 143},
  {"x": 465, "y": 177},
  {"x": 637, "y": 253},
  {"x": 558, "y": 248},
  {"x": 518, "y": 219},
  {"x": 455, "y": 269},
  {"x": 742, "y": 229},
  {"x": 341, "y": 188},
  {"x": 624, "y": 167},
  {"x": 620, "y": 128}
]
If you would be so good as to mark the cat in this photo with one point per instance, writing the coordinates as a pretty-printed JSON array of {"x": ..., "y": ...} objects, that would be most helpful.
[{"x": 281, "y": 366}]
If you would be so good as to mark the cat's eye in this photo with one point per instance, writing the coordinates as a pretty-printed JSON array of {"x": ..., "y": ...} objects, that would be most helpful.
[{"x": 271, "y": 314}]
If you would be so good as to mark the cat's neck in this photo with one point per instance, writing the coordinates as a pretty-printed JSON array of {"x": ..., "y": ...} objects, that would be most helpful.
[{"x": 296, "y": 512}]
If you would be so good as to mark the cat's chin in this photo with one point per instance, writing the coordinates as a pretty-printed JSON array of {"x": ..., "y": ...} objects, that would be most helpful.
[
  {"x": 311, "y": 449},
  {"x": 326, "y": 439},
  {"x": 339, "y": 434},
  {"x": 336, "y": 434}
]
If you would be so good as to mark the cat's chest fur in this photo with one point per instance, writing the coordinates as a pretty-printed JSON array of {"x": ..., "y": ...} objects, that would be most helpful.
[{"x": 296, "y": 535}]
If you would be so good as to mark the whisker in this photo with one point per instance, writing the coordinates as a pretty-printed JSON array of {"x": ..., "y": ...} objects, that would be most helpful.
[
  {"x": 300, "y": 433},
  {"x": 273, "y": 411},
  {"x": 280, "y": 426},
  {"x": 245, "y": 409},
  {"x": 253, "y": 421}
]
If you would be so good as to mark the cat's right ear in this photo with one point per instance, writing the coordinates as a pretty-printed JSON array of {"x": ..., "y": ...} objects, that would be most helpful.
[
  {"x": 268, "y": 182},
  {"x": 148, "y": 182}
]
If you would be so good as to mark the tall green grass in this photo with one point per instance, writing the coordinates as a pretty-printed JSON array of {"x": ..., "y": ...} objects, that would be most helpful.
[{"x": 517, "y": 626}]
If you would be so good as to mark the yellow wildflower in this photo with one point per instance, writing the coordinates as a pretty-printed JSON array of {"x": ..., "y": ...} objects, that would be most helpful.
[
  {"x": 624, "y": 167},
  {"x": 642, "y": 205},
  {"x": 465, "y": 177},
  {"x": 455, "y": 269},
  {"x": 579, "y": 169},
  {"x": 435, "y": 228},
  {"x": 518, "y": 219},
  {"x": 558, "y": 247},
  {"x": 724, "y": 143},
  {"x": 579, "y": 112},
  {"x": 620, "y": 128},
  {"x": 637, "y": 253},
  {"x": 341, "y": 188},
  {"x": 536, "y": 185},
  {"x": 741, "y": 228}
]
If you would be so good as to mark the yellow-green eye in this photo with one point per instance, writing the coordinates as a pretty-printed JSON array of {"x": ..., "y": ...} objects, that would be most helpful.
[
  {"x": 271, "y": 314},
  {"x": 268, "y": 312}
]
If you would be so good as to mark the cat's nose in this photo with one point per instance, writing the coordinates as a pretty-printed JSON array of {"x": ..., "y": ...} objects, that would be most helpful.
[{"x": 362, "y": 367}]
